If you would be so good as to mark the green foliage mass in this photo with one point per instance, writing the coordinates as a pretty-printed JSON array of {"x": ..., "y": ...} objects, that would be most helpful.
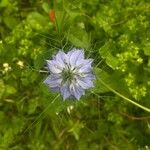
[{"x": 116, "y": 34}]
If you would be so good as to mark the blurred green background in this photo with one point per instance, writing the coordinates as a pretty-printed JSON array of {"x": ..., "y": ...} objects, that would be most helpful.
[{"x": 116, "y": 34}]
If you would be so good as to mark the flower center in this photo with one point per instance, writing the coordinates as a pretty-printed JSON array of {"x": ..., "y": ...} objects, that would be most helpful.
[{"x": 67, "y": 75}]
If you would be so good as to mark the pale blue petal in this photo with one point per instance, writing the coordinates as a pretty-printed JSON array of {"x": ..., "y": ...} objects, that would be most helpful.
[
  {"x": 85, "y": 83},
  {"x": 85, "y": 66},
  {"x": 90, "y": 76},
  {"x": 52, "y": 81},
  {"x": 84, "y": 62},
  {"x": 65, "y": 91},
  {"x": 75, "y": 56},
  {"x": 56, "y": 89},
  {"x": 85, "y": 69},
  {"x": 60, "y": 59},
  {"x": 71, "y": 52},
  {"x": 53, "y": 67},
  {"x": 76, "y": 90}
]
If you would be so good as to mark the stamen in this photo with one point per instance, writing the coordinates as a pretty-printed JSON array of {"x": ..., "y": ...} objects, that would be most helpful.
[{"x": 67, "y": 75}]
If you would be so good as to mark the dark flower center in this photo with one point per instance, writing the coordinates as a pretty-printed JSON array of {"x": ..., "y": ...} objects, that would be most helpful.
[{"x": 67, "y": 75}]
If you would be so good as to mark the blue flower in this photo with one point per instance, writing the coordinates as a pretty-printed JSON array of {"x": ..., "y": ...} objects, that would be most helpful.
[{"x": 70, "y": 74}]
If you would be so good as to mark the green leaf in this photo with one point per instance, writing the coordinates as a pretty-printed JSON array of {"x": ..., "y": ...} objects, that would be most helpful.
[
  {"x": 4, "y": 3},
  {"x": 2, "y": 87},
  {"x": 10, "y": 90},
  {"x": 149, "y": 62},
  {"x": 32, "y": 106},
  {"x": 105, "y": 53},
  {"x": 10, "y": 22},
  {"x": 35, "y": 19},
  {"x": 100, "y": 88},
  {"x": 60, "y": 20},
  {"x": 114, "y": 80},
  {"x": 46, "y": 7},
  {"x": 75, "y": 128},
  {"x": 147, "y": 50},
  {"x": 79, "y": 38}
]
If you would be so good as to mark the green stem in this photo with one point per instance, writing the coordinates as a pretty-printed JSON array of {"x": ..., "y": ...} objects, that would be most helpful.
[{"x": 125, "y": 98}]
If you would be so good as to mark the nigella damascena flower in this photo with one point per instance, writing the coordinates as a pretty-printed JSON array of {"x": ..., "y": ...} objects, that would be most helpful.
[{"x": 70, "y": 73}]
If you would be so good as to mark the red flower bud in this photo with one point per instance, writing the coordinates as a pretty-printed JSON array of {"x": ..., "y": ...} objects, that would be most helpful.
[{"x": 52, "y": 15}]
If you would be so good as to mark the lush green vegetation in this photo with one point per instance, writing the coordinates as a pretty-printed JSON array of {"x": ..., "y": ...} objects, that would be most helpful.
[{"x": 116, "y": 34}]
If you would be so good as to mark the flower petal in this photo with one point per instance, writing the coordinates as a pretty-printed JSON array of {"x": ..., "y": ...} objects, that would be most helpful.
[
  {"x": 75, "y": 55},
  {"x": 89, "y": 76},
  {"x": 84, "y": 62},
  {"x": 54, "y": 67},
  {"x": 65, "y": 91},
  {"x": 60, "y": 58},
  {"x": 76, "y": 90},
  {"x": 55, "y": 89},
  {"x": 71, "y": 52},
  {"x": 52, "y": 81},
  {"x": 85, "y": 83}
]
